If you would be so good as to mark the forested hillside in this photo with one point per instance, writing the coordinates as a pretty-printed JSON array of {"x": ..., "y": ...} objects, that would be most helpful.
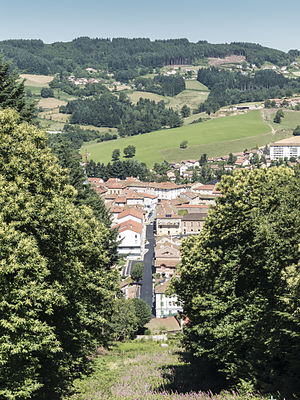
[
  {"x": 130, "y": 56},
  {"x": 233, "y": 87}
]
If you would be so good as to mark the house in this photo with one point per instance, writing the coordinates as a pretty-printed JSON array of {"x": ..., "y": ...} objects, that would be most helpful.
[
  {"x": 165, "y": 305},
  {"x": 167, "y": 257},
  {"x": 168, "y": 222},
  {"x": 191, "y": 224},
  {"x": 285, "y": 148},
  {"x": 131, "y": 238},
  {"x": 132, "y": 214}
]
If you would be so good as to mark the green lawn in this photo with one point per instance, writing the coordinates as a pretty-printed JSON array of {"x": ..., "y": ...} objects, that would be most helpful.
[{"x": 215, "y": 137}]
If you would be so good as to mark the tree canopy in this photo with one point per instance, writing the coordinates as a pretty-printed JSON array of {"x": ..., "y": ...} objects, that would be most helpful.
[
  {"x": 12, "y": 92},
  {"x": 239, "y": 281},
  {"x": 57, "y": 285}
]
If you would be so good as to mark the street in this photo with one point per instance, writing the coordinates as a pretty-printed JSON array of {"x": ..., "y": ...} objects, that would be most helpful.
[{"x": 146, "y": 289}]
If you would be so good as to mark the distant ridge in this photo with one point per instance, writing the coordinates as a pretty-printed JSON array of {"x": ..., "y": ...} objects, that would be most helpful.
[{"x": 117, "y": 54}]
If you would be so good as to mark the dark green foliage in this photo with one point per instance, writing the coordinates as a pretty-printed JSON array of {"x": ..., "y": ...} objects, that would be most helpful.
[
  {"x": 119, "y": 169},
  {"x": 129, "y": 151},
  {"x": 47, "y": 92},
  {"x": 161, "y": 84},
  {"x": 185, "y": 111},
  {"x": 239, "y": 282},
  {"x": 126, "y": 56},
  {"x": 142, "y": 311},
  {"x": 183, "y": 144},
  {"x": 137, "y": 272},
  {"x": 296, "y": 131},
  {"x": 115, "y": 154},
  {"x": 110, "y": 111},
  {"x": 279, "y": 114},
  {"x": 230, "y": 87},
  {"x": 12, "y": 92}
]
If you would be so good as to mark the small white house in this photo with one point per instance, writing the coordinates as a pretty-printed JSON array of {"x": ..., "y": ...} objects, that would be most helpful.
[{"x": 165, "y": 305}]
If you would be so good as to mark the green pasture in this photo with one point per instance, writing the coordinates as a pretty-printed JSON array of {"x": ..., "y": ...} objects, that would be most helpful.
[
  {"x": 136, "y": 95},
  {"x": 196, "y": 85},
  {"x": 215, "y": 137},
  {"x": 289, "y": 122}
]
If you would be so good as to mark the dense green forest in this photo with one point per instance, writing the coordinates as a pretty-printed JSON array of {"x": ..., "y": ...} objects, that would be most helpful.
[
  {"x": 128, "y": 57},
  {"x": 160, "y": 84},
  {"x": 233, "y": 87},
  {"x": 112, "y": 111}
]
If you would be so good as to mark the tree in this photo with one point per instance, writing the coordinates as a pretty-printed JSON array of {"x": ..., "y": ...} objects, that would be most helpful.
[
  {"x": 12, "y": 92},
  {"x": 137, "y": 272},
  {"x": 57, "y": 287},
  {"x": 279, "y": 114},
  {"x": 231, "y": 159},
  {"x": 183, "y": 144},
  {"x": 296, "y": 131},
  {"x": 47, "y": 92},
  {"x": 115, "y": 154},
  {"x": 239, "y": 278},
  {"x": 124, "y": 322},
  {"x": 129, "y": 151},
  {"x": 142, "y": 311},
  {"x": 203, "y": 159},
  {"x": 185, "y": 111}
]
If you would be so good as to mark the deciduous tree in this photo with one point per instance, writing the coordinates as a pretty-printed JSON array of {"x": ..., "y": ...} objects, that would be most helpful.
[
  {"x": 239, "y": 278},
  {"x": 57, "y": 285}
]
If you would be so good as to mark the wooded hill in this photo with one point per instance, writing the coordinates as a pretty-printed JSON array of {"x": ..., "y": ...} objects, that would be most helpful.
[{"x": 135, "y": 56}]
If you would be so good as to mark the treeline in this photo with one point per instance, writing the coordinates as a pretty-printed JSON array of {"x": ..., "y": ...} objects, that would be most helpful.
[
  {"x": 112, "y": 111},
  {"x": 119, "y": 169},
  {"x": 231, "y": 87},
  {"x": 160, "y": 84},
  {"x": 76, "y": 136},
  {"x": 127, "y": 56}
]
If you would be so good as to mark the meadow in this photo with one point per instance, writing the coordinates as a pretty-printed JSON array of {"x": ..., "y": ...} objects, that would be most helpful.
[
  {"x": 289, "y": 122},
  {"x": 147, "y": 371},
  {"x": 217, "y": 136}
]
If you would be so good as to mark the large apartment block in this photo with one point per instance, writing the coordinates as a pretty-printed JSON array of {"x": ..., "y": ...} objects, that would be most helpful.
[{"x": 285, "y": 148}]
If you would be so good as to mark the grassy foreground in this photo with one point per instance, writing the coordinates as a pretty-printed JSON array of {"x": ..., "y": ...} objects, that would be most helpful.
[
  {"x": 215, "y": 137},
  {"x": 146, "y": 371}
]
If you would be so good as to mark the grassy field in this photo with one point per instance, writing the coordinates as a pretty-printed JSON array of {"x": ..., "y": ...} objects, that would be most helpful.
[
  {"x": 50, "y": 103},
  {"x": 289, "y": 122},
  {"x": 215, "y": 137},
  {"x": 191, "y": 98},
  {"x": 36, "y": 80},
  {"x": 147, "y": 371},
  {"x": 136, "y": 95},
  {"x": 195, "y": 85}
]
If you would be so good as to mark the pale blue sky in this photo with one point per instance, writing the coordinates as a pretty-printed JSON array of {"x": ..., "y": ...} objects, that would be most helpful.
[{"x": 274, "y": 23}]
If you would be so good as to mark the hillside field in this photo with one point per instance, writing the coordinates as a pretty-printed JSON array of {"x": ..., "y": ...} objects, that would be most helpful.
[{"x": 215, "y": 137}]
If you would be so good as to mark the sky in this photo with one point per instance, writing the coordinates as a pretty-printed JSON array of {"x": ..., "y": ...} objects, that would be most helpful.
[{"x": 272, "y": 23}]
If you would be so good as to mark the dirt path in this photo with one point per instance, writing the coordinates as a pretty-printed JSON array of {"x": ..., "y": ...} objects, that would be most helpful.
[{"x": 266, "y": 117}]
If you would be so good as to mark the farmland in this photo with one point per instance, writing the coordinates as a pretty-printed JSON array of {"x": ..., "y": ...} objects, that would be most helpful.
[{"x": 215, "y": 137}]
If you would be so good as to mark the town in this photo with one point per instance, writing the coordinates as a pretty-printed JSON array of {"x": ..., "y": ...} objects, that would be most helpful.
[{"x": 153, "y": 218}]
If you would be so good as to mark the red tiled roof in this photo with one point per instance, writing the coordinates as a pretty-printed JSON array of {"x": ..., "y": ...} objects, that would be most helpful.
[
  {"x": 130, "y": 225},
  {"x": 131, "y": 211}
]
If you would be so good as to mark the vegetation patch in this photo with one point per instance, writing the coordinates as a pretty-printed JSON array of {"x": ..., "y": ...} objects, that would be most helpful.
[{"x": 164, "y": 144}]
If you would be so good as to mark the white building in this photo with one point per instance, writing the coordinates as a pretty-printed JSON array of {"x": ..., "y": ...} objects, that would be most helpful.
[
  {"x": 131, "y": 238},
  {"x": 285, "y": 148},
  {"x": 165, "y": 306}
]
